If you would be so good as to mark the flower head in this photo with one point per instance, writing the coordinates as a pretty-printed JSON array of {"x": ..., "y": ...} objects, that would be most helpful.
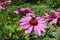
[
  {"x": 23, "y": 11},
  {"x": 3, "y": 3},
  {"x": 54, "y": 18},
  {"x": 35, "y": 24}
]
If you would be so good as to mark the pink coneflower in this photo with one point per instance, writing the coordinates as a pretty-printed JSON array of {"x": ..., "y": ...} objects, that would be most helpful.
[
  {"x": 23, "y": 11},
  {"x": 54, "y": 18},
  {"x": 3, "y": 3},
  {"x": 35, "y": 24}
]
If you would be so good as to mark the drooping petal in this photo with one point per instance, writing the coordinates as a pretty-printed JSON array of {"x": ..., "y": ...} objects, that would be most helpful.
[
  {"x": 41, "y": 28},
  {"x": 37, "y": 31},
  {"x": 42, "y": 25},
  {"x": 25, "y": 26},
  {"x": 29, "y": 30},
  {"x": 17, "y": 12},
  {"x": 54, "y": 21}
]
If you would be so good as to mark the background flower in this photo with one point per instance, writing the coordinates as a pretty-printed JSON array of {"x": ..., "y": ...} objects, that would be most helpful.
[
  {"x": 23, "y": 11},
  {"x": 54, "y": 18},
  {"x": 3, "y": 3}
]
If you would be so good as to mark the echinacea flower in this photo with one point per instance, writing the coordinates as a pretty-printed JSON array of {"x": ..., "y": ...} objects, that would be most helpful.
[
  {"x": 23, "y": 11},
  {"x": 54, "y": 18},
  {"x": 31, "y": 24},
  {"x": 3, "y": 3}
]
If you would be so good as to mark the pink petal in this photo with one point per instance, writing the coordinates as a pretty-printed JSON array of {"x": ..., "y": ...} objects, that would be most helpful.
[
  {"x": 47, "y": 17},
  {"x": 24, "y": 23},
  {"x": 25, "y": 19},
  {"x": 54, "y": 21},
  {"x": 29, "y": 30},
  {"x": 22, "y": 9},
  {"x": 30, "y": 14},
  {"x": 41, "y": 28},
  {"x": 1, "y": 8},
  {"x": 37, "y": 31},
  {"x": 41, "y": 22},
  {"x": 25, "y": 26},
  {"x": 53, "y": 11},
  {"x": 17, "y": 12},
  {"x": 42, "y": 25},
  {"x": 57, "y": 14},
  {"x": 38, "y": 18}
]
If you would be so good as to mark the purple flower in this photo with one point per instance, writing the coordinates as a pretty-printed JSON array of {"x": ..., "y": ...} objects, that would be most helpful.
[
  {"x": 54, "y": 18},
  {"x": 3, "y": 3},
  {"x": 23, "y": 11},
  {"x": 31, "y": 24}
]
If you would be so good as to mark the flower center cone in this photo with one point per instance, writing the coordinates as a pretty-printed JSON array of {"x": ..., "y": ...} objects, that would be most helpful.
[
  {"x": 33, "y": 22},
  {"x": 26, "y": 11}
]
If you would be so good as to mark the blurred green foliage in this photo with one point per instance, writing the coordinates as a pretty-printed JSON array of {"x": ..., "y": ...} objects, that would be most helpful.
[
  {"x": 53, "y": 3},
  {"x": 9, "y": 21}
]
